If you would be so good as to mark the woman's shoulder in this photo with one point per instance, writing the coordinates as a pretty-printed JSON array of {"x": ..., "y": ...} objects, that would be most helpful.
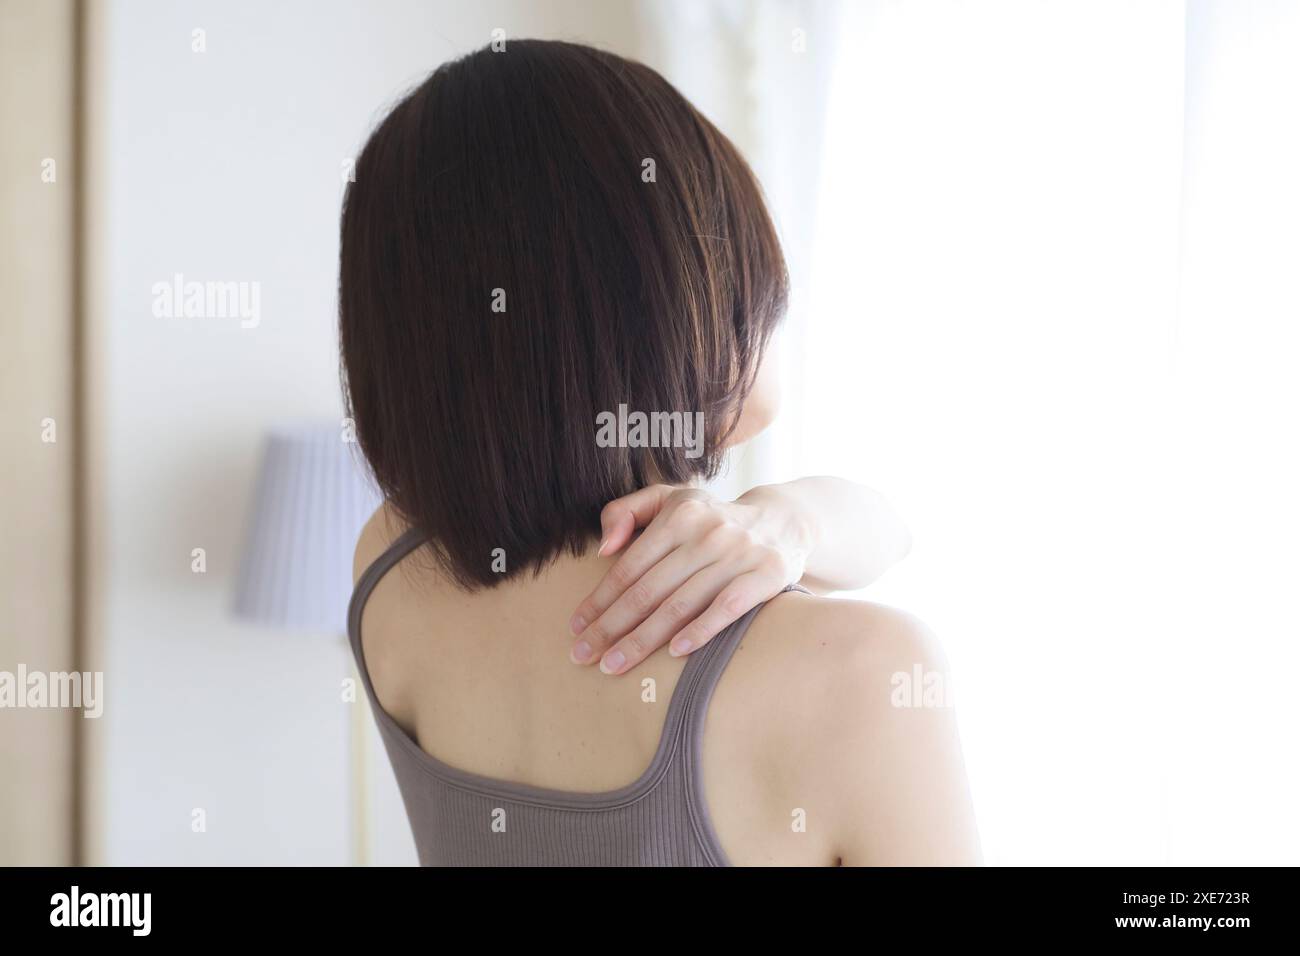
[
  {"x": 835, "y": 642},
  {"x": 809, "y": 714},
  {"x": 834, "y": 714},
  {"x": 814, "y": 674}
]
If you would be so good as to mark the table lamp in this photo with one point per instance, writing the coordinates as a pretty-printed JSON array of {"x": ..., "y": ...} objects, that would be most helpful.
[{"x": 312, "y": 498}]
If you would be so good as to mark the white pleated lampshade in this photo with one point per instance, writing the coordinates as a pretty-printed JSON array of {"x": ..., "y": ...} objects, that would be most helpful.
[{"x": 311, "y": 501}]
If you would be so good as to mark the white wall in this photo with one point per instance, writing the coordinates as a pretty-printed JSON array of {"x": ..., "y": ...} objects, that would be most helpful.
[{"x": 226, "y": 165}]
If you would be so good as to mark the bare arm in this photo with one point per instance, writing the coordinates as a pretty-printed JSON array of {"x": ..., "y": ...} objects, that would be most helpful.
[
  {"x": 831, "y": 740},
  {"x": 887, "y": 749}
]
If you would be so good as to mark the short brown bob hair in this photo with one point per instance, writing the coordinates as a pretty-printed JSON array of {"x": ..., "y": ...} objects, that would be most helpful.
[{"x": 535, "y": 237}]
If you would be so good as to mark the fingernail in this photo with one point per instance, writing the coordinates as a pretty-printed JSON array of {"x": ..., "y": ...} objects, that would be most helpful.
[
  {"x": 679, "y": 647},
  {"x": 581, "y": 653},
  {"x": 612, "y": 662},
  {"x": 577, "y": 625},
  {"x": 600, "y": 552}
]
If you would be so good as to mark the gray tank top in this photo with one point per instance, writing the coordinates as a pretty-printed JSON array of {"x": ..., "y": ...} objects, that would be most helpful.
[{"x": 462, "y": 819}]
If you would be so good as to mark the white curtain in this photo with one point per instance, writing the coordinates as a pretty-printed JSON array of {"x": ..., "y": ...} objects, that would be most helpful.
[
  {"x": 1047, "y": 258},
  {"x": 761, "y": 70}
]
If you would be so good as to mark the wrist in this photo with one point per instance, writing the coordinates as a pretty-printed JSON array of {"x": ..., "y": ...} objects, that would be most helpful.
[{"x": 782, "y": 516}]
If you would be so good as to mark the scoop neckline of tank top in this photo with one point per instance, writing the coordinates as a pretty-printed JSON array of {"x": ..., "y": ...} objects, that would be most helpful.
[{"x": 516, "y": 791}]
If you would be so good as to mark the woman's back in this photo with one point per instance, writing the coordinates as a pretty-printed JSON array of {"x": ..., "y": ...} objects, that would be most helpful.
[{"x": 523, "y": 758}]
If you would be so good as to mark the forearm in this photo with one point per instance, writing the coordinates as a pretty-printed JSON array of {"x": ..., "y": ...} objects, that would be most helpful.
[{"x": 852, "y": 534}]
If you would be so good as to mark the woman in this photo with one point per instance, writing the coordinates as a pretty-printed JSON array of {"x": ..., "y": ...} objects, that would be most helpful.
[{"x": 557, "y": 284}]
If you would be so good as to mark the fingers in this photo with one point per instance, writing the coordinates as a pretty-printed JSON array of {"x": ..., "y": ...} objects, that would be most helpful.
[
  {"x": 644, "y": 552},
  {"x": 699, "y": 565},
  {"x": 743, "y": 594},
  {"x": 642, "y": 505},
  {"x": 685, "y": 604},
  {"x": 629, "y": 605},
  {"x": 616, "y": 533}
]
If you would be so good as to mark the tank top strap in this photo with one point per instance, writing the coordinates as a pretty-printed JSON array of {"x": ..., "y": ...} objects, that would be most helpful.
[
  {"x": 703, "y": 679},
  {"x": 406, "y": 542}
]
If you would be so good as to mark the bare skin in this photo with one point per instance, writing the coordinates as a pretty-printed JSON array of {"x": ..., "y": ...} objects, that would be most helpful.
[
  {"x": 701, "y": 563},
  {"x": 803, "y": 725}
]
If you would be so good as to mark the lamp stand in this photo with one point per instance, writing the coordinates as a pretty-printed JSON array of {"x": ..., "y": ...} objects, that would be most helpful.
[{"x": 358, "y": 769}]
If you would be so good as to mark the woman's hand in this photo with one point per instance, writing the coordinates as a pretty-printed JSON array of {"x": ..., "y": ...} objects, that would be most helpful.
[{"x": 700, "y": 564}]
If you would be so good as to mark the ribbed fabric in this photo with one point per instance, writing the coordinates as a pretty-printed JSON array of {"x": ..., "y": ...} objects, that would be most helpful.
[{"x": 462, "y": 819}]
